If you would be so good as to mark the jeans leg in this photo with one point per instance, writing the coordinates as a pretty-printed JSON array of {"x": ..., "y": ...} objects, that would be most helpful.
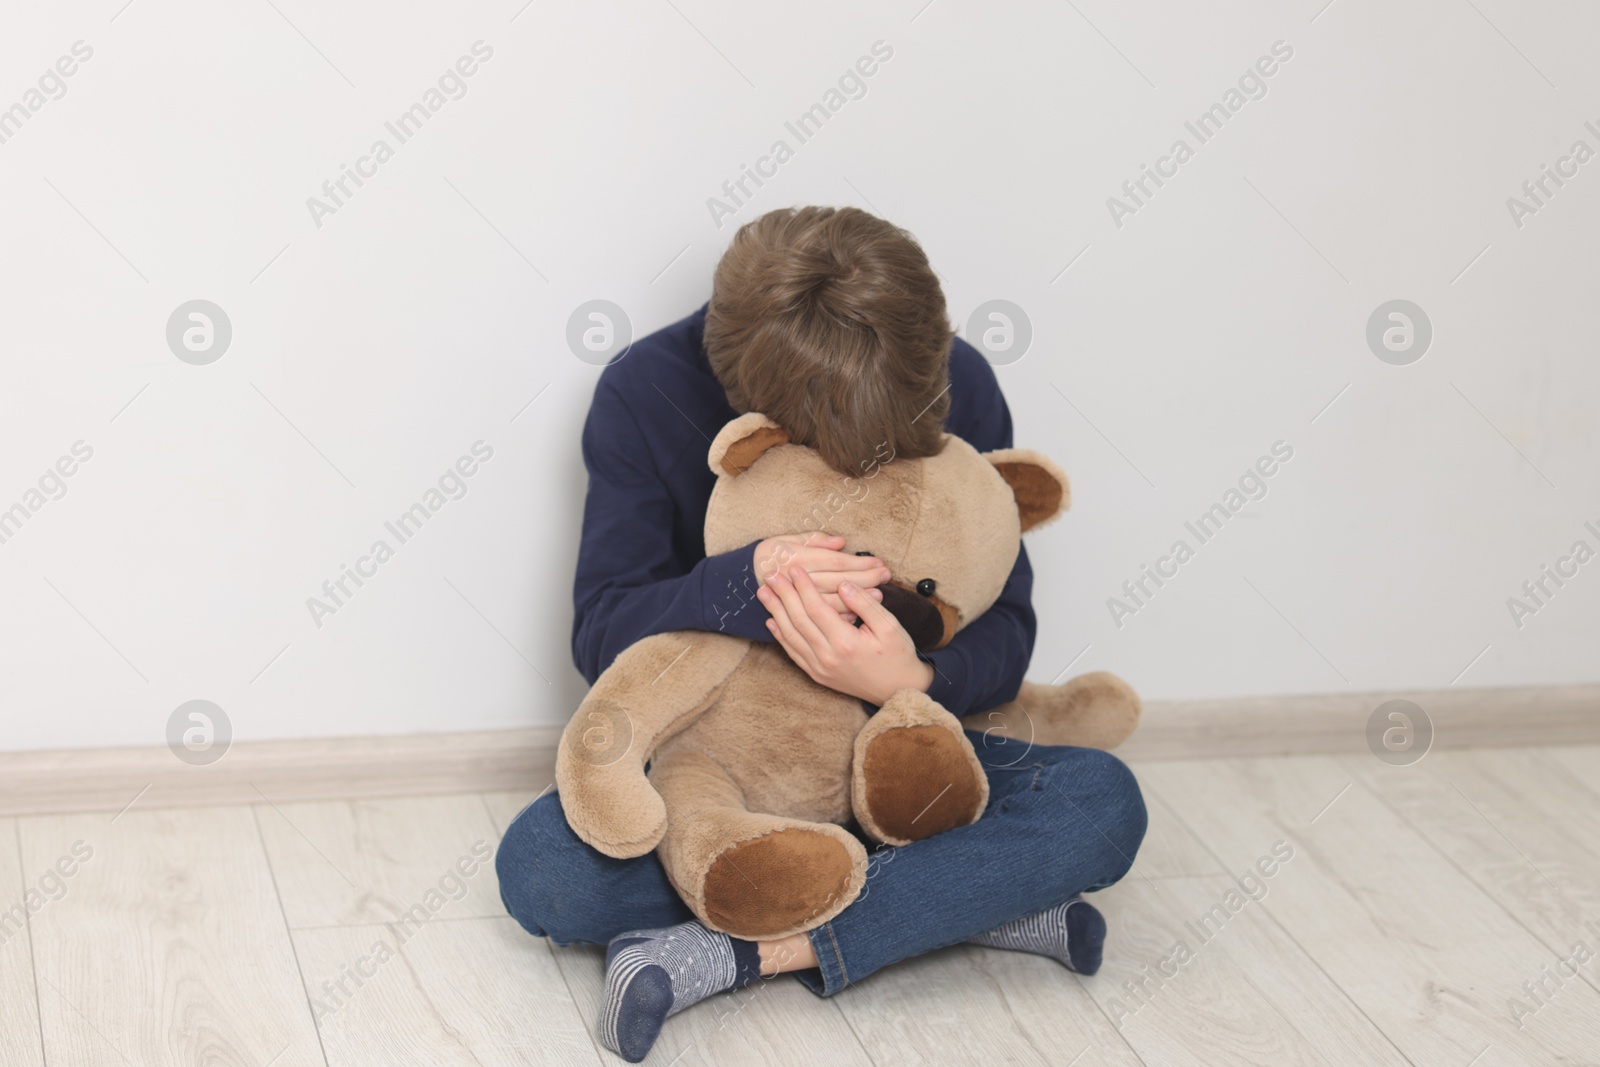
[
  {"x": 1060, "y": 821},
  {"x": 558, "y": 887}
]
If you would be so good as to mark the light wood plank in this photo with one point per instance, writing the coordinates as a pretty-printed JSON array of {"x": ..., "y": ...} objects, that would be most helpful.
[
  {"x": 1188, "y": 985},
  {"x": 1521, "y": 823},
  {"x": 1582, "y": 764},
  {"x": 1418, "y": 902},
  {"x": 776, "y": 1021},
  {"x": 1169, "y": 849},
  {"x": 353, "y": 862},
  {"x": 472, "y": 992},
  {"x": 971, "y": 1005},
  {"x": 168, "y": 946},
  {"x": 505, "y": 806},
  {"x": 1413, "y": 942},
  {"x": 20, "y": 891},
  {"x": 1582, "y": 760}
]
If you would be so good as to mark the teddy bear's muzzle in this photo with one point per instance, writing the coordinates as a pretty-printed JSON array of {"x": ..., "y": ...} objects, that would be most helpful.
[{"x": 929, "y": 621}]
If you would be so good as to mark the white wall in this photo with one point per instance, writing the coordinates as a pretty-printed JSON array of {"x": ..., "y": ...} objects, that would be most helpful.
[{"x": 420, "y": 318}]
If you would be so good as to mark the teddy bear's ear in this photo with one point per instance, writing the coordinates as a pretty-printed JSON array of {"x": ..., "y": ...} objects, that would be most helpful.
[
  {"x": 741, "y": 442},
  {"x": 1041, "y": 487}
]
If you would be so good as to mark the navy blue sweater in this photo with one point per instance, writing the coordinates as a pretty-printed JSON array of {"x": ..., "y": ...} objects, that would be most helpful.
[{"x": 642, "y": 566}]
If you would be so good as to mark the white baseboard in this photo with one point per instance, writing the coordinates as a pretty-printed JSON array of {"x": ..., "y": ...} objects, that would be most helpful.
[
  {"x": 279, "y": 772},
  {"x": 523, "y": 760},
  {"x": 1336, "y": 723}
]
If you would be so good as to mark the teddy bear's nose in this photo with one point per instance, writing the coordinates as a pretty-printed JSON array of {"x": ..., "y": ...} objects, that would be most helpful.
[{"x": 916, "y": 614}]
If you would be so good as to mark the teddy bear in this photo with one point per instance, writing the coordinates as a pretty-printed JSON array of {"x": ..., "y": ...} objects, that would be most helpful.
[{"x": 741, "y": 772}]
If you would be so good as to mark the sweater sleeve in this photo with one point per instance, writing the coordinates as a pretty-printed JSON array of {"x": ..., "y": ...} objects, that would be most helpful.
[
  {"x": 631, "y": 582},
  {"x": 983, "y": 665}
]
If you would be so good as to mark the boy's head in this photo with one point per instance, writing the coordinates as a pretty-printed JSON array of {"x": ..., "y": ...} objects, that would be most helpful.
[
  {"x": 831, "y": 322},
  {"x": 946, "y": 526}
]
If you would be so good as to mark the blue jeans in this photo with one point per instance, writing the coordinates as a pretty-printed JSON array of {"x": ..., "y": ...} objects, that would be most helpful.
[{"x": 1060, "y": 821}]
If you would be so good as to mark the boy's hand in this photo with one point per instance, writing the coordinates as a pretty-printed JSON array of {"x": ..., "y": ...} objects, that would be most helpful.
[
  {"x": 819, "y": 555},
  {"x": 872, "y": 662}
]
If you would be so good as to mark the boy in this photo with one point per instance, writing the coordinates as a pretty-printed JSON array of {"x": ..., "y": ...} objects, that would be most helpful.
[{"x": 832, "y": 323}]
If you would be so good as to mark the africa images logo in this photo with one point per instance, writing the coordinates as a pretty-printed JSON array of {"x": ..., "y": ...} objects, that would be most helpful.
[
  {"x": 1252, "y": 85},
  {"x": 852, "y": 85},
  {"x": 451, "y": 85},
  {"x": 52, "y": 85}
]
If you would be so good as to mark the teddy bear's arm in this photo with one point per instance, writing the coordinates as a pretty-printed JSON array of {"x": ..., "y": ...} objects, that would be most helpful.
[{"x": 654, "y": 689}]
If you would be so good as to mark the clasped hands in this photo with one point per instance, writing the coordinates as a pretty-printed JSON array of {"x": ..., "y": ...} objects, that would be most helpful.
[{"x": 816, "y": 593}]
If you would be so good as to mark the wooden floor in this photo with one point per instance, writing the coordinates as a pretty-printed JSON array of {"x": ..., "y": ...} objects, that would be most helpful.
[{"x": 1414, "y": 906}]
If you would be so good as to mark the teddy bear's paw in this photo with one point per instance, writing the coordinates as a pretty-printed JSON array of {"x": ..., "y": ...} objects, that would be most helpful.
[
  {"x": 1095, "y": 710},
  {"x": 915, "y": 772},
  {"x": 783, "y": 881}
]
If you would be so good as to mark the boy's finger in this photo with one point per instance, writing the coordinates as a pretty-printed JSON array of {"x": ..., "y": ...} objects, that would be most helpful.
[
  {"x": 782, "y": 627},
  {"x": 824, "y": 561},
  {"x": 786, "y": 585},
  {"x": 864, "y": 572},
  {"x": 778, "y": 558},
  {"x": 828, "y": 580},
  {"x": 846, "y": 561},
  {"x": 818, "y": 561},
  {"x": 769, "y": 598},
  {"x": 826, "y": 620},
  {"x": 780, "y": 588},
  {"x": 875, "y": 618},
  {"x": 811, "y": 539},
  {"x": 795, "y": 654},
  {"x": 806, "y": 537},
  {"x": 820, "y": 623},
  {"x": 834, "y": 601}
]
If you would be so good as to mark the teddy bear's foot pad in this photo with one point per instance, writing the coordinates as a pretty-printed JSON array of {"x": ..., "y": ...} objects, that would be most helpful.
[
  {"x": 920, "y": 782},
  {"x": 781, "y": 882}
]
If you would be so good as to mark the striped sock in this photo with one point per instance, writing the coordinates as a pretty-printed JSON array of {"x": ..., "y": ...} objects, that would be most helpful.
[
  {"x": 1073, "y": 933},
  {"x": 651, "y": 974}
]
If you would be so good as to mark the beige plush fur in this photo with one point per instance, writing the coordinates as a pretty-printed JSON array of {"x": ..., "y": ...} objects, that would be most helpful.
[
  {"x": 1095, "y": 710},
  {"x": 754, "y": 769}
]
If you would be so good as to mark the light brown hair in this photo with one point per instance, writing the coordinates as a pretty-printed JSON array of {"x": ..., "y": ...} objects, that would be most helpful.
[{"x": 831, "y": 322}]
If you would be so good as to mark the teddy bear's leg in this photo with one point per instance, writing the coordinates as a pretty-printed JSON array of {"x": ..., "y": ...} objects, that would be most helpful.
[
  {"x": 748, "y": 874},
  {"x": 915, "y": 773},
  {"x": 654, "y": 689},
  {"x": 1095, "y": 710}
]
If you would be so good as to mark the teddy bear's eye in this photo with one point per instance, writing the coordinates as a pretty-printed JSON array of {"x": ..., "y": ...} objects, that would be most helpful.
[
  {"x": 863, "y": 553},
  {"x": 926, "y": 586}
]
